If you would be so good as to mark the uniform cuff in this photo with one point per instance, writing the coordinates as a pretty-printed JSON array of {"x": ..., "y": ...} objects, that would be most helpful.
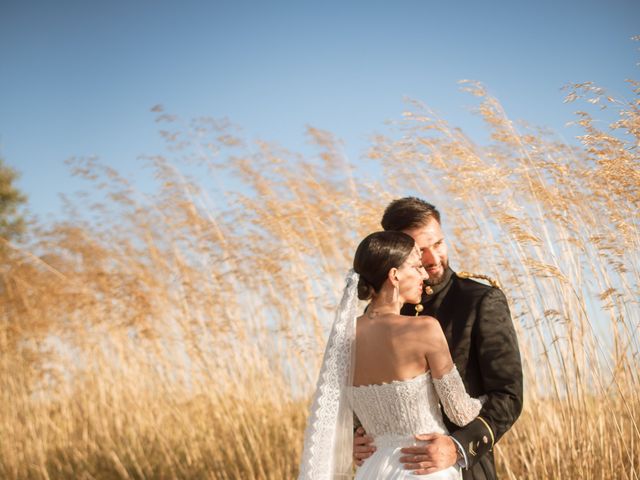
[
  {"x": 476, "y": 439},
  {"x": 462, "y": 456}
]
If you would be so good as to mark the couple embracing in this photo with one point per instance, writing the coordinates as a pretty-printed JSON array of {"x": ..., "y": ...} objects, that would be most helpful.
[{"x": 430, "y": 372}]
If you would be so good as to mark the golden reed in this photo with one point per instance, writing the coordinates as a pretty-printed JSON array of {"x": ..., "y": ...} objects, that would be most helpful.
[{"x": 178, "y": 334}]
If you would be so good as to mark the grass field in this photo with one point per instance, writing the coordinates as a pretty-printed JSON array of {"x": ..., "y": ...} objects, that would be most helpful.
[{"x": 178, "y": 335}]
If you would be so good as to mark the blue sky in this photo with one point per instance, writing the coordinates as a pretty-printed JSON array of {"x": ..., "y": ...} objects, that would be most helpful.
[{"x": 79, "y": 77}]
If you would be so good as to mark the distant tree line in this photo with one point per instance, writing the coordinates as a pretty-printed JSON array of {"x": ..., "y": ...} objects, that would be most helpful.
[{"x": 12, "y": 222}]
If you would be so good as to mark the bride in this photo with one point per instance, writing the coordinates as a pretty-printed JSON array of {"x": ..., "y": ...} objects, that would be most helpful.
[{"x": 392, "y": 371}]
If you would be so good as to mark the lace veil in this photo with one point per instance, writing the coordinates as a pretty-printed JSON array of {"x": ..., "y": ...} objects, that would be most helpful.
[{"x": 328, "y": 439}]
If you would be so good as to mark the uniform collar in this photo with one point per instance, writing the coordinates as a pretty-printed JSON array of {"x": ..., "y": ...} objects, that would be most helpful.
[{"x": 432, "y": 291}]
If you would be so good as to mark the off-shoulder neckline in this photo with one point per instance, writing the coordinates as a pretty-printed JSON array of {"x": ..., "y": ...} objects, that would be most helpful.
[{"x": 395, "y": 382}]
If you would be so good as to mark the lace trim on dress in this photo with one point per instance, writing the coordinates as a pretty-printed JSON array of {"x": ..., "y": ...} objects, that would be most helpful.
[{"x": 394, "y": 382}]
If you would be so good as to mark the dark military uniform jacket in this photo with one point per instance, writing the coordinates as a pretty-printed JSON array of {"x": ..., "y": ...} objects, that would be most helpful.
[{"x": 477, "y": 323}]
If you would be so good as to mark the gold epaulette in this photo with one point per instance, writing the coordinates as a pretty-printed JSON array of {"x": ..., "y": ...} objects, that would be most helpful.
[{"x": 492, "y": 282}]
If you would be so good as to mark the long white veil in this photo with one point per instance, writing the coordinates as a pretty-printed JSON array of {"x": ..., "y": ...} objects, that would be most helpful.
[{"x": 328, "y": 439}]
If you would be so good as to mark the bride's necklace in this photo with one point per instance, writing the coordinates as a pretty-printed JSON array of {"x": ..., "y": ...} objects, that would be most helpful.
[{"x": 374, "y": 313}]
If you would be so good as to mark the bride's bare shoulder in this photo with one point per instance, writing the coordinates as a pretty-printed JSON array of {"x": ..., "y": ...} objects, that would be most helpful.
[
  {"x": 426, "y": 328},
  {"x": 421, "y": 323},
  {"x": 424, "y": 321}
]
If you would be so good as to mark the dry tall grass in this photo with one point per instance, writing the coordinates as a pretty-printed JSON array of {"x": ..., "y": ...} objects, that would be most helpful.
[{"x": 178, "y": 335}]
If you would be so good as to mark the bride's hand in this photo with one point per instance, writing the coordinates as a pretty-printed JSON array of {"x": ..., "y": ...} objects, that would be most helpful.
[
  {"x": 438, "y": 453},
  {"x": 363, "y": 446}
]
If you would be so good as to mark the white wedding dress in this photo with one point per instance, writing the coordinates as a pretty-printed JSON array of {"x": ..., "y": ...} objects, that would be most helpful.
[{"x": 392, "y": 413}]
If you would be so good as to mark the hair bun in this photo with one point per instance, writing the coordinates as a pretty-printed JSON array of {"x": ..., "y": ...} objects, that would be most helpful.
[{"x": 365, "y": 289}]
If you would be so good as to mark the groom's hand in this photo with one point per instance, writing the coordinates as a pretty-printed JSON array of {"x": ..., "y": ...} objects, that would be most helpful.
[
  {"x": 440, "y": 452},
  {"x": 362, "y": 446}
]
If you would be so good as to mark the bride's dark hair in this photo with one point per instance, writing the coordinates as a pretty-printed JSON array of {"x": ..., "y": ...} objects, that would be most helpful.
[{"x": 378, "y": 253}]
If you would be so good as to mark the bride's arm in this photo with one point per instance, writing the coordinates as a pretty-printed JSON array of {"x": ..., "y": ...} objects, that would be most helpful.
[
  {"x": 456, "y": 402},
  {"x": 459, "y": 406}
]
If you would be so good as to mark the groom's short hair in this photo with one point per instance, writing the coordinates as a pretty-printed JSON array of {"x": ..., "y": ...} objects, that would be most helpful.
[{"x": 408, "y": 213}]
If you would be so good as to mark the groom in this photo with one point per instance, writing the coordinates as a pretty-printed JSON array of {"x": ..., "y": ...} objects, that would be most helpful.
[{"x": 477, "y": 323}]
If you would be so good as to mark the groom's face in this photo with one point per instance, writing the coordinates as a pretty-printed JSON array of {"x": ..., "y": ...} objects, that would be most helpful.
[{"x": 430, "y": 240}]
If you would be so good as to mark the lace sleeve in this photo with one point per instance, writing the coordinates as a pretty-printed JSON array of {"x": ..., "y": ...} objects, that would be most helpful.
[{"x": 458, "y": 405}]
